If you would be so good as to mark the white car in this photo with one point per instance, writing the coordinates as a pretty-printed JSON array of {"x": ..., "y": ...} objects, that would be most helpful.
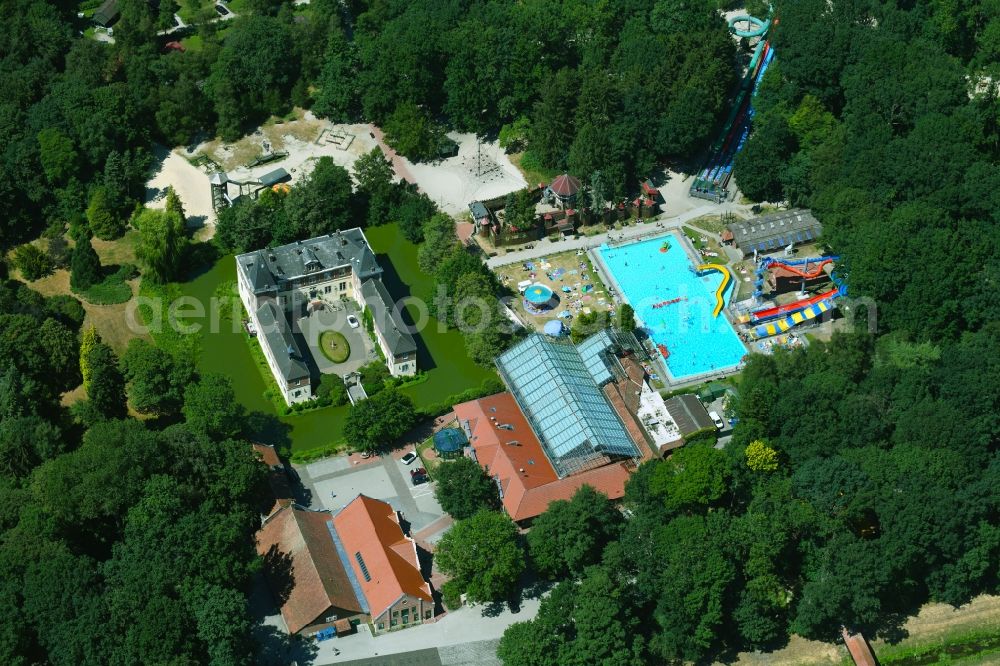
[
  {"x": 352, "y": 321},
  {"x": 409, "y": 457},
  {"x": 717, "y": 420}
]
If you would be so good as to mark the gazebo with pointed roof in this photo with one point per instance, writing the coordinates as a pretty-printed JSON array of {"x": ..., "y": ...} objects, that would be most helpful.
[{"x": 565, "y": 187}]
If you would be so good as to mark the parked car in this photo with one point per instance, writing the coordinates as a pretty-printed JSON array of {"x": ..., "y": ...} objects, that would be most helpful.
[
  {"x": 222, "y": 11},
  {"x": 419, "y": 470},
  {"x": 409, "y": 457},
  {"x": 418, "y": 479},
  {"x": 352, "y": 321},
  {"x": 717, "y": 420}
]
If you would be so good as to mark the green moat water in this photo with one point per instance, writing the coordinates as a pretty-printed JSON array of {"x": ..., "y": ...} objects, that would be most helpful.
[{"x": 441, "y": 354}]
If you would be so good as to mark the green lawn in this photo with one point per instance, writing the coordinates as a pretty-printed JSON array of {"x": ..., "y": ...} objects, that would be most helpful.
[
  {"x": 973, "y": 648},
  {"x": 422, "y": 449},
  {"x": 191, "y": 10},
  {"x": 194, "y": 43},
  {"x": 334, "y": 346},
  {"x": 695, "y": 237}
]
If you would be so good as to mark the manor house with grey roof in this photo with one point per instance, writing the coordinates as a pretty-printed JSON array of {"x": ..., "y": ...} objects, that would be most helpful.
[{"x": 278, "y": 285}]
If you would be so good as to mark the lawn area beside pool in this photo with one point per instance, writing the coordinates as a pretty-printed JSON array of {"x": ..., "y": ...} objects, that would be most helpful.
[
  {"x": 334, "y": 346},
  {"x": 567, "y": 274},
  {"x": 706, "y": 246}
]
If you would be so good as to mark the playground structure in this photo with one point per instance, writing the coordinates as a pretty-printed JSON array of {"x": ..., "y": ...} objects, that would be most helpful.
[
  {"x": 221, "y": 184},
  {"x": 791, "y": 266},
  {"x": 712, "y": 182},
  {"x": 779, "y": 319},
  {"x": 539, "y": 299},
  {"x": 335, "y": 137}
]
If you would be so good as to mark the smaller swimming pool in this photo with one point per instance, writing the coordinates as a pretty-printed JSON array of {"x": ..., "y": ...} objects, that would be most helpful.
[
  {"x": 674, "y": 304},
  {"x": 538, "y": 294}
]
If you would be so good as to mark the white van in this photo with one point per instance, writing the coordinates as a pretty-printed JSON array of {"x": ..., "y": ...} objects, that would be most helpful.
[{"x": 717, "y": 420}]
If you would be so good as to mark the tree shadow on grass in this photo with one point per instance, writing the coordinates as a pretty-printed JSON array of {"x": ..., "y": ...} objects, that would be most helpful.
[
  {"x": 269, "y": 429},
  {"x": 201, "y": 258}
]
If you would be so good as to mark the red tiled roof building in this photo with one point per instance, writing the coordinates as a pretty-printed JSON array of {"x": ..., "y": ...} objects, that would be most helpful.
[
  {"x": 514, "y": 457},
  {"x": 355, "y": 565}
]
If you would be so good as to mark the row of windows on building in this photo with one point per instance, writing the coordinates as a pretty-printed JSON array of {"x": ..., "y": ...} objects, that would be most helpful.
[{"x": 403, "y": 617}]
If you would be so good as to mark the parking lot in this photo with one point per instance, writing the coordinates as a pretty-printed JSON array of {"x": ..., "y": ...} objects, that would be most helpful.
[{"x": 334, "y": 482}]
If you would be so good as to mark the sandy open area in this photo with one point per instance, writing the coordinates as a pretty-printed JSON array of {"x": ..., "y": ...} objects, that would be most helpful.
[
  {"x": 305, "y": 140},
  {"x": 452, "y": 183},
  {"x": 676, "y": 200},
  {"x": 455, "y": 182},
  {"x": 189, "y": 182}
]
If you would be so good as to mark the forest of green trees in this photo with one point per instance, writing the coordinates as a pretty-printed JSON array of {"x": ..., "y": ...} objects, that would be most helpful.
[
  {"x": 863, "y": 477},
  {"x": 122, "y": 541},
  {"x": 607, "y": 88}
]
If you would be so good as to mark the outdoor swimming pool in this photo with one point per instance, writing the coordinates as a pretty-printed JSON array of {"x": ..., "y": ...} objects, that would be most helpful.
[{"x": 682, "y": 318}]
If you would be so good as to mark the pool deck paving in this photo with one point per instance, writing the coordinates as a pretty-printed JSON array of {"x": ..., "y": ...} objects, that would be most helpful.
[{"x": 657, "y": 225}]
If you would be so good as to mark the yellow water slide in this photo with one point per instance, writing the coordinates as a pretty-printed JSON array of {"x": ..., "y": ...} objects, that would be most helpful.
[{"x": 720, "y": 293}]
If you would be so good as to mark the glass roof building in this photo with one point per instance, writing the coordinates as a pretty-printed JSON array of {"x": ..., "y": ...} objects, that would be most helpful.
[
  {"x": 594, "y": 352},
  {"x": 557, "y": 386}
]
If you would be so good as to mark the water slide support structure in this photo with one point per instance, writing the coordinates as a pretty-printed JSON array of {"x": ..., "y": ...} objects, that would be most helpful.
[
  {"x": 799, "y": 312},
  {"x": 713, "y": 180}
]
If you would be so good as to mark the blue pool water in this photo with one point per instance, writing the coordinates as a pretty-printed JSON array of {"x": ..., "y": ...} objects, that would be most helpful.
[{"x": 697, "y": 341}]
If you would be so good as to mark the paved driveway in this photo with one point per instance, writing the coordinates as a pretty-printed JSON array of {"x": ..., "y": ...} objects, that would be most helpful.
[
  {"x": 336, "y": 320},
  {"x": 465, "y": 636},
  {"x": 545, "y": 246}
]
